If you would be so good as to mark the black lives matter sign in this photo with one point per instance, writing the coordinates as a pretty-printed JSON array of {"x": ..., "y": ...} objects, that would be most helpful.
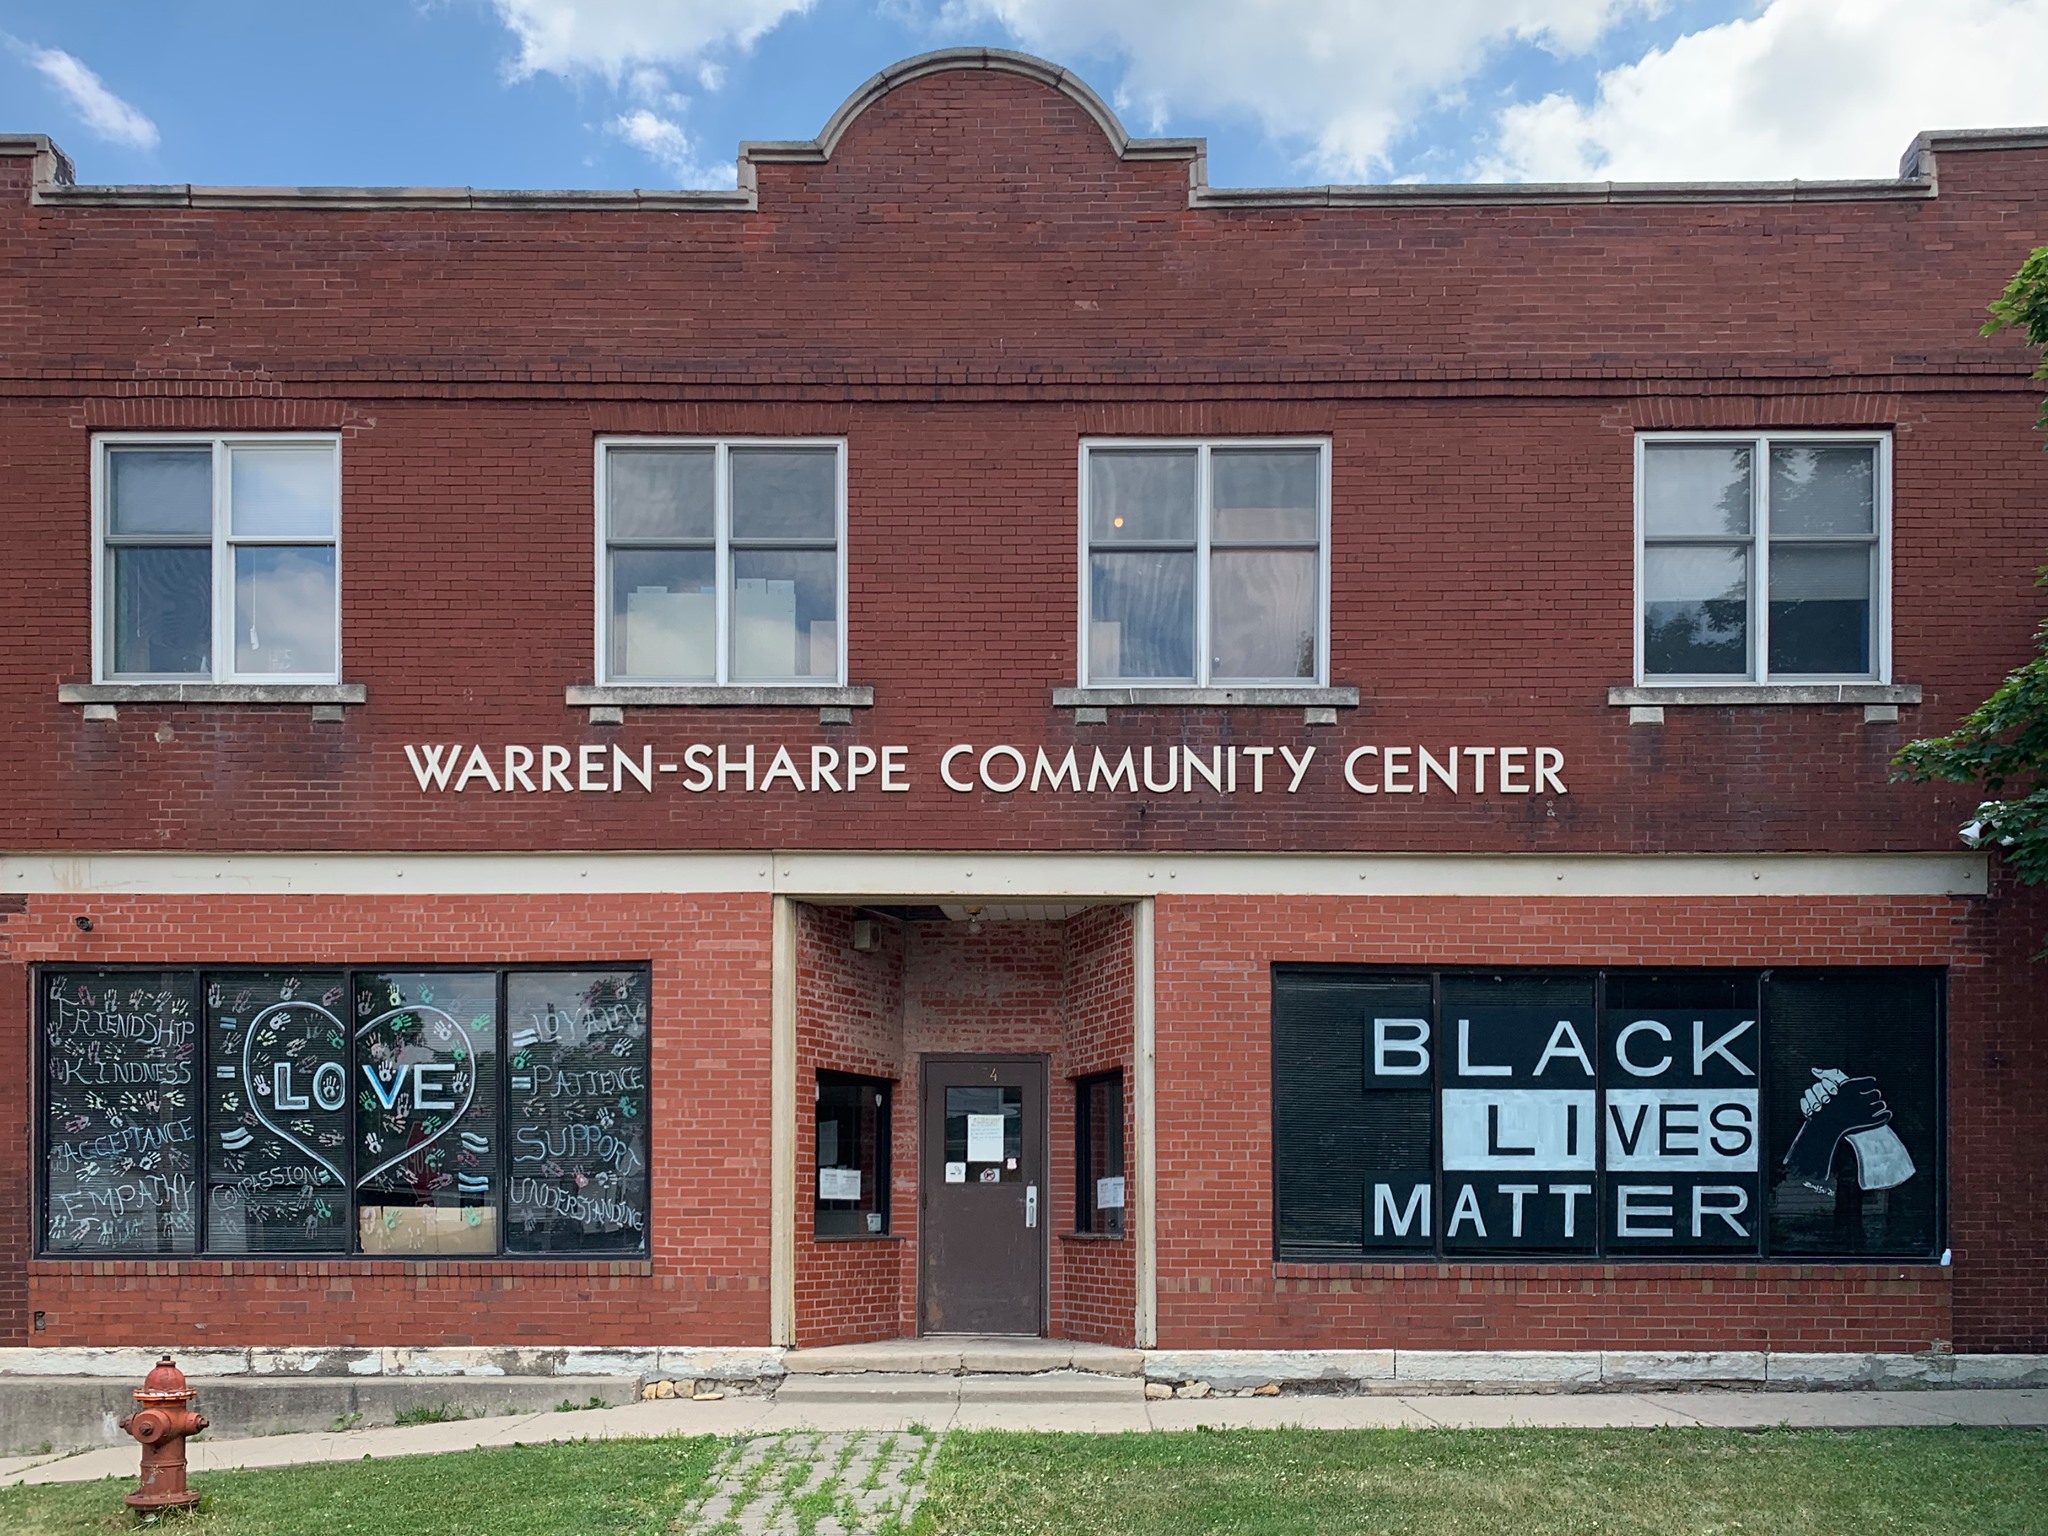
[{"x": 1559, "y": 1135}]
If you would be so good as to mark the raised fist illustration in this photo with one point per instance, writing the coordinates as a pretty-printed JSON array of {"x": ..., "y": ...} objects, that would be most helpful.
[{"x": 1837, "y": 1105}]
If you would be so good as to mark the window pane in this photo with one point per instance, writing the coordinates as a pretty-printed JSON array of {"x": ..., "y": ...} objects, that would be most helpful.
[
  {"x": 1696, "y": 488},
  {"x": 1262, "y": 614},
  {"x": 163, "y": 611},
  {"x": 785, "y": 615},
  {"x": 282, "y": 492},
  {"x": 660, "y": 493},
  {"x": 785, "y": 493},
  {"x": 1261, "y": 495},
  {"x": 1141, "y": 495},
  {"x": 1695, "y": 611},
  {"x": 426, "y": 1112},
  {"x": 1141, "y": 621},
  {"x": 160, "y": 490},
  {"x": 284, "y": 609},
  {"x": 1101, "y": 1202},
  {"x": 664, "y": 619},
  {"x": 576, "y": 1121},
  {"x": 1352, "y": 1146},
  {"x": 985, "y": 1133},
  {"x": 1821, "y": 489},
  {"x": 1820, "y": 609},
  {"x": 1854, "y": 1070},
  {"x": 852, "y": 1156},
  {"x": 120, "y": 1112},
  {"x": 277, "y": 1091}
]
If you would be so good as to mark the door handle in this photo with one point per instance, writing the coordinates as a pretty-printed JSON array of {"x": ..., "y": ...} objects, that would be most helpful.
[{"x": 1031, "y": 1205}]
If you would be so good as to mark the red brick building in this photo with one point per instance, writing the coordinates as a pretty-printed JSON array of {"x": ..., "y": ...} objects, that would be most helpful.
[{"x": 980, "y": 736}]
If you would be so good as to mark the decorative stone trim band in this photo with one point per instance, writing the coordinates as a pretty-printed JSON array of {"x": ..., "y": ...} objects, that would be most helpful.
[
  {"x": 1363, "y": 1370},
  {"x": 707, "y": 1363},
  {"x": 1765, "y": 694},
  {"x": 1591, "y": 1370}
]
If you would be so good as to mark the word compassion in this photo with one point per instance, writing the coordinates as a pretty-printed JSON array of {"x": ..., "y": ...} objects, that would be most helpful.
[{"x": 703, "y": 768}]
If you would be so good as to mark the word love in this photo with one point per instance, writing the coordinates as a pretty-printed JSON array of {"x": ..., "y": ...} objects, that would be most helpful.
[{"x": 967, "y": 767}]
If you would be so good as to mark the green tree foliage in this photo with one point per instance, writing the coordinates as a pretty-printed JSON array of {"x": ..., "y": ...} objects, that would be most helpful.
[{"x": 2003, "y": 742}]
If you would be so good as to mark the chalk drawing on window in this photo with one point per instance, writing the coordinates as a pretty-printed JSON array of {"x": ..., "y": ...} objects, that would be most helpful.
[{"x": 1839, "y": 1107}]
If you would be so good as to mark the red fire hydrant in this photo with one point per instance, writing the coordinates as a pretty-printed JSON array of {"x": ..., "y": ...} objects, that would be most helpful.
[{"x": 161, "y": 1424}]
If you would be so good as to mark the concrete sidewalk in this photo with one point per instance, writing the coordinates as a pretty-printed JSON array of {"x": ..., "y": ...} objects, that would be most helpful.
[{"x": 1069, "y": 1401}]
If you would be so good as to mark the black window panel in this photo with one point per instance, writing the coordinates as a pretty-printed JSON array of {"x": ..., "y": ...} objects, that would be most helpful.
[
  {"x": 852, "y": 1155},
  {"x": 277, "y": 1091},
  {"x": 1702, "y": 1082},
  {"x": 1101, "y": 1194},
  {"x": 576, "y": 1111},
  {"x": 1338, "y": 1126},
  {"x": 1854, "y": 1109},
  {"x": 120, "y": 1112}
]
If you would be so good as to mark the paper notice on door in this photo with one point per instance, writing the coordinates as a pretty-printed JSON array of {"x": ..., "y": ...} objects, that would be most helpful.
[
  {"x": 838, "y": 1183},
  {"x": 956, "y": 1173},
  {"x": 1109, "y": 1194},
  {"x": 984, "y": 1138}
]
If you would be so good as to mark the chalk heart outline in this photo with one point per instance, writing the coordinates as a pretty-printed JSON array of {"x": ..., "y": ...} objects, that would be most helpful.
[
  {"x": 256, "y": 1099},
  {"x": 468, "y": 1098}
]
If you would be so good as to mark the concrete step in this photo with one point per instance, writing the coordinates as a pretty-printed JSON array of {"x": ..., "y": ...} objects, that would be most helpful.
[
  {"x": 897, "y": 1388},
  {"x": 69, "y": 1413},
  {"x": 958, "y": 1356}
]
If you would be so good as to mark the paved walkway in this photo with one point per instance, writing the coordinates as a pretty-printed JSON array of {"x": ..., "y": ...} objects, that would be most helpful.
[
  {"x": 815, "y": 1484},
  {"x": 927, "y": 1406}
]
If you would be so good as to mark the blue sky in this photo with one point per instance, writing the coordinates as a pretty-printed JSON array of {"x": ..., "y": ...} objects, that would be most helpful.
[{"x": 623, "y": 93}]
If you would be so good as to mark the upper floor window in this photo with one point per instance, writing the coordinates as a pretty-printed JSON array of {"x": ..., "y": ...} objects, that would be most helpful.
[
  {"x": 722, "y": 562},
  {"x": 216, "y": 559},
  {"x": 1205, "y": 564},
  {"x": 1763, "y": 557}
]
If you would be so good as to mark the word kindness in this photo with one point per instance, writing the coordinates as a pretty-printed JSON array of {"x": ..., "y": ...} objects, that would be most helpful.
[{"x": 704, "y": 768}]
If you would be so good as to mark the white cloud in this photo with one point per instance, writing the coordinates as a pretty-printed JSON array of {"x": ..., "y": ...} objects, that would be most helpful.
[
  {"x": 663, "y": 140},
  {"x": 99, "y": 108},
  {"x": 1804, "y": 88},
  {"x": 612, "y": 37},
  {"x": 1343, "y": 76}
]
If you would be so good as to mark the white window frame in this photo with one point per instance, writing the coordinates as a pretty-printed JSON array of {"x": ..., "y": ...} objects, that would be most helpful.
[
  {"x": 224, "y": 544},
  {"x": 1759, "y": 674},
  {"x": 1203, "y": 447},
  {"x": 722, "y": 553}
]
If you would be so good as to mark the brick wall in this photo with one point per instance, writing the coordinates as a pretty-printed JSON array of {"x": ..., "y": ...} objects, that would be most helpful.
[
  {"x": 705, "y": 1280},
  {"x": 1219, "y": 1282},
  {"x": 1099, "y": 1279}
]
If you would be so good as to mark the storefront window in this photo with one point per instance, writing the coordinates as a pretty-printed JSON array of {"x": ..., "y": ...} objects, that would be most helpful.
[
  {"x": 1615, "y": 1114},
  {"x": 853, "y": 1155},
  {"x": 345, "y": 1111}
]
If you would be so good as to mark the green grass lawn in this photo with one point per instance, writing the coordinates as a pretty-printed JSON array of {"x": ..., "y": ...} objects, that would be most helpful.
[
  {"x": 1525, "y": 1482},
  {"x": 1533, "y": 1482},
  {"x": 608, "y": 1486}
]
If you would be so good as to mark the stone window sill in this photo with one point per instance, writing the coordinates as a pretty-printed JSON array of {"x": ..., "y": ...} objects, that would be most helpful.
[
  {"x": 1091, "y": 705},
  {"x": 1740, "y": 695},
  {"x": 856, "y": 1237},
  {"x": 607, "y": 701},
  {"x": 102, "y": 700},
  {"x": 1091, "y": 1237}
]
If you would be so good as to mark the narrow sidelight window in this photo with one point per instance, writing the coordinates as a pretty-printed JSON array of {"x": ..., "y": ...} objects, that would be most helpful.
[
  {"x": 1099, "y": 1202},
  {"x": 853, "y": 1155}
]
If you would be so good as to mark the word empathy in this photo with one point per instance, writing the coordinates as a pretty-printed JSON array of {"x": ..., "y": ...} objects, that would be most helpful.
[
  {"x": 1551, "y": 1133},
  {"x": 705, "y": 768}
]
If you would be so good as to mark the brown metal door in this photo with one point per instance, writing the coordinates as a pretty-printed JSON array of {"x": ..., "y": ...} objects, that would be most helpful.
[{"x": 984, "y": 1208}]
